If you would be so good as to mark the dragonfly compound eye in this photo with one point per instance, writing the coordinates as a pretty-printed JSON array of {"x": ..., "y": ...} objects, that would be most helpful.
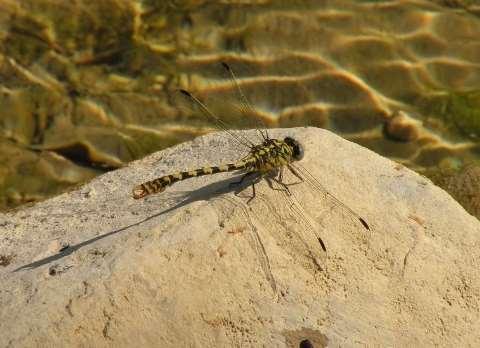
[{"x": 298, "y": 151}]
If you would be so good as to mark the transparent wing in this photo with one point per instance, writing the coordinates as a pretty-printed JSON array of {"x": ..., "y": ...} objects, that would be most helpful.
[
  {"x": 255, "y": 242},
  {"x": 245, "y": 106},
  {"x": 306, "y": 238},
  {"x": 225, "y": 100},
  {"x": 195, "y": 104},
  {"x": 303, "y": 174}
]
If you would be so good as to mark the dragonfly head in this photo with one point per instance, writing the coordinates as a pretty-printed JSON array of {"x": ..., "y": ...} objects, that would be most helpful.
[{"x": 296, "y": 147}]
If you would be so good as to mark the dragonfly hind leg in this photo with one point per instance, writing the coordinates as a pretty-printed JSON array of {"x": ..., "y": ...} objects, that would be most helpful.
[
  {"x": 279, "y": 180},
  {"x": 248, "y": 175}
]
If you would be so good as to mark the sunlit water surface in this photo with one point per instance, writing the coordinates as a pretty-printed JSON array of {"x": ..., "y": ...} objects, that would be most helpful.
[{"x": 86, "y": 87}]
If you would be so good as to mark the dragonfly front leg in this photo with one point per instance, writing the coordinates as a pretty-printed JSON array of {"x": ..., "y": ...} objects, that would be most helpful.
[
  {"x": 294, "y": 172},
  {"x": 279, "y": 180}
]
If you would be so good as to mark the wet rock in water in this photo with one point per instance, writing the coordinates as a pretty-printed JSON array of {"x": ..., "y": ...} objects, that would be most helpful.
[
  {"x": 401, "y": 127},
  {"x": 197, "y": 266}
]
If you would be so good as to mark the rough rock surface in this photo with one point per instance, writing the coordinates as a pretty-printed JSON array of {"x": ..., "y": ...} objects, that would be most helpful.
[{"x": 197, "y": 266}]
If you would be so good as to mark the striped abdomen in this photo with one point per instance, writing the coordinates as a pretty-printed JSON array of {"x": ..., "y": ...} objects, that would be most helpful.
[{"x": 159, "y": 184}]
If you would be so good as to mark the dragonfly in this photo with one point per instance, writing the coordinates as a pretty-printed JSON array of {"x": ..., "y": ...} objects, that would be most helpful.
[{"x": 266, "y": 159}]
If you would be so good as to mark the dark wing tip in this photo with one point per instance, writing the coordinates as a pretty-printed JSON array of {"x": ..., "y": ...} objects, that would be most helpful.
[
  {"x": 185, "y": 92},
  {"x": 226, "y": 66},
  {"x": 322, "y": 244},
  {"x": 364, "y": 223}
]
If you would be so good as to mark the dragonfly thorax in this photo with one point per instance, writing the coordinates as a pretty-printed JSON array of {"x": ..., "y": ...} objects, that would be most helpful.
[{"x": 273, "y": 154}]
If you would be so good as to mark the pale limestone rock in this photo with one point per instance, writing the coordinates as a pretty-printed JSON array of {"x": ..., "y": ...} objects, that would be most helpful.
[{"x": 197, "y": 266}]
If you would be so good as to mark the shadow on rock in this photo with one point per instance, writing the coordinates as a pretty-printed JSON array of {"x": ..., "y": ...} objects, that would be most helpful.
[{"x": 203, "y": 193}]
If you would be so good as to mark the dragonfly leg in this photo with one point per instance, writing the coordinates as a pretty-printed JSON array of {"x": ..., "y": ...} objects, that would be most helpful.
[
  {"x": 245, "y": 177},
  {"x": 294, "y": 172},
  {"x": 284, "y": 187},
  {"x": 253, "y": 194}
]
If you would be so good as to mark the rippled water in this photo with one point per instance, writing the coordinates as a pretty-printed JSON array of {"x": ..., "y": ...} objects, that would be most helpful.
[{"x": 86, "y": 86}]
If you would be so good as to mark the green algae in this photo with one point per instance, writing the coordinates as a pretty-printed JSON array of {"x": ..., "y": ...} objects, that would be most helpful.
[
  {"x": 462, "y": 110},
  {"x": 459, "y": 112}
]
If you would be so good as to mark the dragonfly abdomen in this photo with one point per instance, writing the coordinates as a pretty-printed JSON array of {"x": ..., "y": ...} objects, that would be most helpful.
[{"x": 158, "y": 185}]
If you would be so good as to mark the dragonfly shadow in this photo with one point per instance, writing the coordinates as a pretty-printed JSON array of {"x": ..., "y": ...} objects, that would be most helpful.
[{"x": 203, "y": 193}]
